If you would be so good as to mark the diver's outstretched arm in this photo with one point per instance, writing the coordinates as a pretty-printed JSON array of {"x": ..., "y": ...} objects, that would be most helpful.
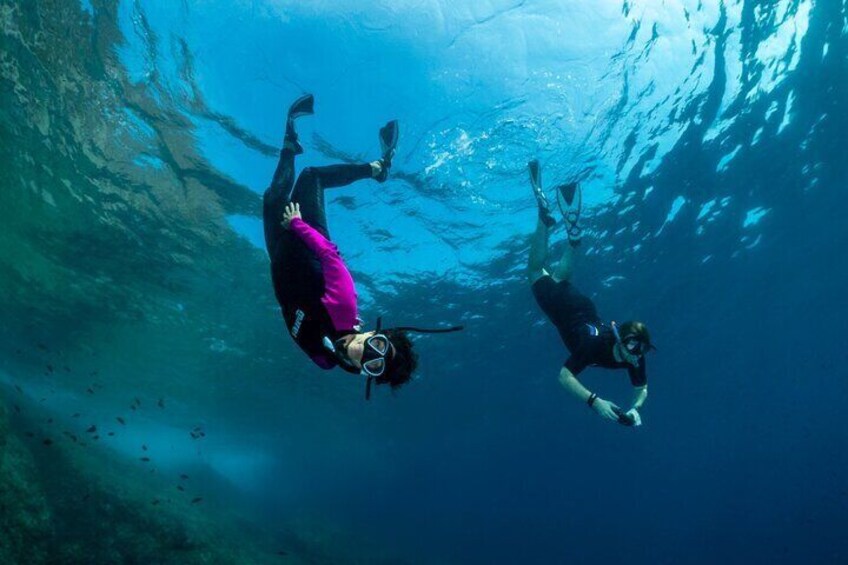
[
  {"x": 640, "y": 395},
  {"x": 603, "y": 408}
]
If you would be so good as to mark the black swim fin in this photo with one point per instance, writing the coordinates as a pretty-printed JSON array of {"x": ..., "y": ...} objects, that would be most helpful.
[
  {"x": 572, "y": 217},
  {"x": 536, "y": 182},
  {"x": 389, "y": 135},
  {"x": 567, "y": 190},
  {"x": 303, "y": 106},
  {"x": 535, "y": 174}
]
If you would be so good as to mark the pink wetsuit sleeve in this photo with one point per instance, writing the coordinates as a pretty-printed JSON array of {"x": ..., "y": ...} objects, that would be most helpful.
[{"x": 339, "y": 292}]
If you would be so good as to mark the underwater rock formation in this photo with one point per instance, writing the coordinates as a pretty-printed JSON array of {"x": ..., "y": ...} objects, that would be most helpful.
[
  {"x": 24, "y": 514},
  {"x": 62, "y": 503}
]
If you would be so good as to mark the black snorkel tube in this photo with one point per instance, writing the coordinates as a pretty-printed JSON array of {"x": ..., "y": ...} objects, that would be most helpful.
[
  {"x": 411, "y": 329},
  {"x": 345, "y": 363}
]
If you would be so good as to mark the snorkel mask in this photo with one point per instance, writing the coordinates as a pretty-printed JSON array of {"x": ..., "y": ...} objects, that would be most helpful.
[
  {"x": 631, "y": 344},
  {"x": 377, "y": 348}
]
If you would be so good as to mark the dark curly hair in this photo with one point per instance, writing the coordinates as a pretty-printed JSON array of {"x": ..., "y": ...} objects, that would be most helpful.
[{"x": 402, "y": 363}]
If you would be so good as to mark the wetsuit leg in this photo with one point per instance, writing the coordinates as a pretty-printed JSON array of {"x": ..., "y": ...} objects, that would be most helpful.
[
  {"x": 310, "y": 185},
  {"x": 567, "y": 309},
  {"x": 564, "y": 268},
  {"x": 274, "y": 203},
  {"x": 538, "y": 252},
  {"x": 295, "y": 271}
]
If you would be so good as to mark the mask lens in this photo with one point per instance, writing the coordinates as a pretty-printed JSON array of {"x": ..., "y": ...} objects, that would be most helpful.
[
  {"x": 379, "y": 343},
  {"x": 375, "y": 367},
  {"x": 633, "y": 346}
]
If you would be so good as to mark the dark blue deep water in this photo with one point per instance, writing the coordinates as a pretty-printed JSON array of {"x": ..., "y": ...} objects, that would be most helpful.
[{"x": 137, "y": 139}]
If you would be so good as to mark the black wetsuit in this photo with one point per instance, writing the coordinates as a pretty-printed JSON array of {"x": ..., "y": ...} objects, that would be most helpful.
[
  {"x": 587, "y": 338},
  {"x": 296, "y": 271}
]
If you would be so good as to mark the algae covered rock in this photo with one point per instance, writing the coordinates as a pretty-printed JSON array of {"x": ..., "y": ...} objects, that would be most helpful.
[{"x": 25, "y": 517}]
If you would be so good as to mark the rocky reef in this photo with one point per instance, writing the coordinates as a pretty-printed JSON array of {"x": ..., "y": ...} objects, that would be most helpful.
[
  {"x": 25, "y": 517},
  {"x": 63, "y": 504}
]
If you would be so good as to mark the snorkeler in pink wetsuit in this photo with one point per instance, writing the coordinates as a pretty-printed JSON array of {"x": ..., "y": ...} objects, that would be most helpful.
[{"x": 313, "y": 286}]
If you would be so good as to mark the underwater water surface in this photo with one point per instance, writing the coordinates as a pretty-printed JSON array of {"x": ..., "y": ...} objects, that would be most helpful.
[{"x": 154, "y": 409}]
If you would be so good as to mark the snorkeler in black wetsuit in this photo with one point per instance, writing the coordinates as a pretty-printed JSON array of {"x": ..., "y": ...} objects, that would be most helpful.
[{"x": 590, "y": 341}]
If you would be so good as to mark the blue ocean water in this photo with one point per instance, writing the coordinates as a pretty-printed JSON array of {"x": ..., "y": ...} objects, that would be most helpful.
[{"x": 708, "y": 136}]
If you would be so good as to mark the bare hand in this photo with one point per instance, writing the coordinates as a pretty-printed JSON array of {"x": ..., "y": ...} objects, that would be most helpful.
[
  {"x": 604, "y": 408},
  {"x": 634, "y": 415},
  {"x": 292, "y": 211}
]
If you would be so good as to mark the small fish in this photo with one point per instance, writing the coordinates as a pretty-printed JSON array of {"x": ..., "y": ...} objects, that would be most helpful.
[
  {"x": 30, "y": 434},
  {"x": 110, "y": 434},
  {"x": 180, "y": 488},
  {"x": 49, "y": 368},
  {"x": 121, "y": 421},
  {"x": 144, "y": 448},
  {"x": 41, "y": 346},
  {"x": 281, "y": 552},
  {"x": 132, "y": 407},
  {"x": 95, "y": 438},
  {"x": 76, "y": 415},
  {"x": 136, "y": 401},
  {"x": 67, "y": 369},
  {"x": 184, "y": 477},
  {"x": 155, "y": 502},
  {"x": 19, "y": 389},
  {"x": 91, "y": 429},
  {"x": 86, "y": 497},
  {"x": 17, "y": 408},
  {"x": 161, "y": 403},
  {"x": 197, "y": 500},
  {"x": 89, "y": 390},
  {"x": 49, "y": 420},
  {"x": 93, "y": 373},
  {"x": 145, "y": 459},
  {"x": 47, "y": 441}
]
